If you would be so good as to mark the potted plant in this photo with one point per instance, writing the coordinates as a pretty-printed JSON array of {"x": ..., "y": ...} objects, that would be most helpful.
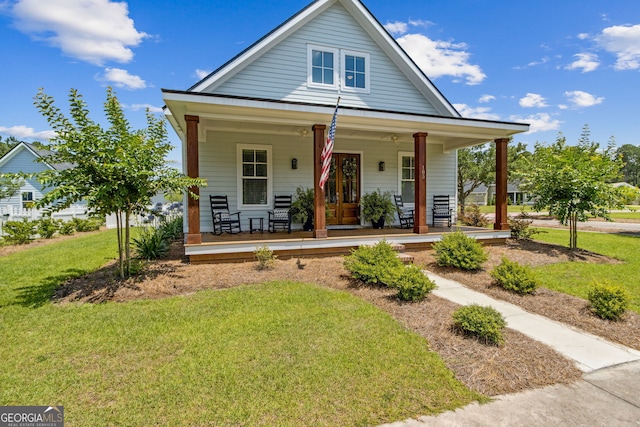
[
  {"x": 378, "y": 207},
  {"x": 302, "y": 208}
]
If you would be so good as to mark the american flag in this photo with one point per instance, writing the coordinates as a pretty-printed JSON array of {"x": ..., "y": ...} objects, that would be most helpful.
[{"x": 327, "y": 150}]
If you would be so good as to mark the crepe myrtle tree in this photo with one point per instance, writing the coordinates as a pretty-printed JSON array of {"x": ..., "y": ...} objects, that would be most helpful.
[
  {"x": 116, "y": 170},
  {"x": 572, "y": 182}
]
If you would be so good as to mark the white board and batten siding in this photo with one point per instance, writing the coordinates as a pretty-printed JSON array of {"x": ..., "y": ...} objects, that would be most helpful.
[
  {"x": 218, "y": 164},
  {"x": 281, "y": 72}
]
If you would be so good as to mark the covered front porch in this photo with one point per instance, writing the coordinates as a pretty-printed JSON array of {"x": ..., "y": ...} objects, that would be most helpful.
[
  {"x": 339, "y": 241},
  {"x": 225, "y": 136}
]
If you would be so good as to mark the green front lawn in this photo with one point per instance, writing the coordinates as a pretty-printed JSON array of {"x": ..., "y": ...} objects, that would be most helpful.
[
  {"x": 277, "y": 353},
  {"x": 575, "y": 278}
]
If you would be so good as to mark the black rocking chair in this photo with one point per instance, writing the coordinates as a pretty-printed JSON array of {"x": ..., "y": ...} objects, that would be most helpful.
[
  {"x": 405, "y": 215},
  {"x": 280, "y": 216},
  {"x": 223, "y": 220},
  {"x": 442, "y": 210}
]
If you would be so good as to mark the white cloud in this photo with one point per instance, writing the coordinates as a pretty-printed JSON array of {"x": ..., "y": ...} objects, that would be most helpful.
[
  {"x": 483, "y": 113},
  {"x": 586, "y": 62},
  {"x": 624, "y": 42},
  {"x": 582, "y": 99},
  {"x": 583, "y": 36},
  {"x": 152, "y": 108},
  {"x": 540, "y": 122},
  {"x": 420, "y": 23},
  {"x": 533, "y": 100},
  {"x": 396, "y": 28},
  {"x": 202, "y": 73},
  {"x": 121, "y": 78},
  {"x": 487, "y": 98},
  {"x": 22, "y": 132},
  {"x": 94, "y": 31},
  {"x": 441, "y": 58}
]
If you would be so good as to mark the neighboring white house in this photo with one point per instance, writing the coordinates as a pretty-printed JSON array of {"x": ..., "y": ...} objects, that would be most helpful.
[
  {"x": 254, "y": 128},
  {"x": 23, "y": 158}
]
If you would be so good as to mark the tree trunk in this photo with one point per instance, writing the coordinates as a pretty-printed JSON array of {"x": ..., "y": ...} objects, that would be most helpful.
[
  {"x": 120, "y": 247},
  {"x": 127, "y": 239},
  {"x": 573, "y": 231}
]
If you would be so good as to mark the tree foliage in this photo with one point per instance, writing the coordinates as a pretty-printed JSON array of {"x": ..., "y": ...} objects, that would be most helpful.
[
  {"x": 116, "y": 170},
  {"x": 572, "y": 182},
  {"x": 631, "y": 158},
  {"x": 477, "y": 166}
]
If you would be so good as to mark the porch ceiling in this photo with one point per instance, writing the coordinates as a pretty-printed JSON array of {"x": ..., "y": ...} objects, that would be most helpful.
[{"x": 225, "y": 113}]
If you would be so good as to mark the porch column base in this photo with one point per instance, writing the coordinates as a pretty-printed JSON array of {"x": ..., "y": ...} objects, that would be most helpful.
[
  {"x": 420, "y": 229},
  {"x": 194, "y": 239},
  {"x": 320, "y": 234},
  {"x": 501, "y": 227}
]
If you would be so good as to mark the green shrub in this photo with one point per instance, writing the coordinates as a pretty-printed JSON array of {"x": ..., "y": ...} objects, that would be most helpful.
[
  {"x": 473, "y": 217},
  {"x": 412, "y": 284},
  {"x": 460, "y": 251},
  {"x": 19, "y": 232},
  {"x": 520, "y": 226},
  {"x": 172, "y": 228},
  {"x": 47, "y": 227},
  {"x": 484, "y": 322},
  {"x": 608, "y": 302},
  {"x": 151, "y": 243},
  {"x": 515, "y": 277},
  {"x": 67, "y": 228},
  {"x": 266, "y": 258},
  {"x": 373, "y": 264},
  {"x": 83, "y": 225}
]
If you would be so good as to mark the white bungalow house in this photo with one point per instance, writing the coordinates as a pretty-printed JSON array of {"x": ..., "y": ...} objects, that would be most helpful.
[
  {"x": 23, "y": 158},
  {"x": 256, "y": 126}
]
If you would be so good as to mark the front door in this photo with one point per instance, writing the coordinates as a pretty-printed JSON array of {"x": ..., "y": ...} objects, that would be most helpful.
[{"x": 342, "y": 196}]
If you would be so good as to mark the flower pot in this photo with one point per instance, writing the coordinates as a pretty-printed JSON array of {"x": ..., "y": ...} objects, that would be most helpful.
[
  {"x": 308, "y": 225},
  {"x": 378, "y": 224}
]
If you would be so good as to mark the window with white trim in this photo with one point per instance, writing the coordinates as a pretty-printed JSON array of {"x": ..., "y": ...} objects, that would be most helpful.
[
  {"x": 27, "y": 200},
  {"x": 254, "y": 175},
  {"x": 322, "y": 66},
  {"x": 355, "y": 73},
  {"x": 407, "y": 176}
]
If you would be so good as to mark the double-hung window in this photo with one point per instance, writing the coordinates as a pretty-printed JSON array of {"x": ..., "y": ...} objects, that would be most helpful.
[
  {"x": 27, "y": 200},
  {"x": 407, "y": 176},
  {"x": 254, "y": 175}
]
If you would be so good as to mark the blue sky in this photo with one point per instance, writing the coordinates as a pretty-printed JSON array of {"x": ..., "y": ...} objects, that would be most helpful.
[{"x": 554, "y": 64}]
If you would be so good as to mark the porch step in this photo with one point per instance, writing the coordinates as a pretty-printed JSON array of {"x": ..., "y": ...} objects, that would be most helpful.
[
  {"x": 397, "y": 247},
  {"x": 405, "y": 258}
]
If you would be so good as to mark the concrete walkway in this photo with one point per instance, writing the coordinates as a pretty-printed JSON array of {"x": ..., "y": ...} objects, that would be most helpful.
[
  {"x": 587, "y": 351},
  {"x": 608, "y": 394}
]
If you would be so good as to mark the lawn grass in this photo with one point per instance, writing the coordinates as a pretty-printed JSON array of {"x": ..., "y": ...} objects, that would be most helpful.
[
  {"x": 29, "y": 277},
  {"x": 575, "y": 278},
  {"x": 280, "y": 353},
  {"x": 485, "y": 209}
]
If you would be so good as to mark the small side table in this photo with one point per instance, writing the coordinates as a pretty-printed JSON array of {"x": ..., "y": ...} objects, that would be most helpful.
[{"x": 258, "y": 225}]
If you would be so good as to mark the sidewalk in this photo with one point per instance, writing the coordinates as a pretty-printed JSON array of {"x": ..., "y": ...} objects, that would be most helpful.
[{"x": 609, "y": 393}]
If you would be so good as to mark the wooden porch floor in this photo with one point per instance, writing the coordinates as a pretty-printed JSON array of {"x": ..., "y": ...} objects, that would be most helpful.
[{"x": 240, "y": 246}]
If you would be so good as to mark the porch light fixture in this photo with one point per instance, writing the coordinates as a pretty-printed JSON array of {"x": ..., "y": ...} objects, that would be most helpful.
[
  {"x": 381, "y": 166},
  {"x": 294, "y": 163}
]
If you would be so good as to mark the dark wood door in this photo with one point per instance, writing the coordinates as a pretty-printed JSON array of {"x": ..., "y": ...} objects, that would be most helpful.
[{"x": 342, "y": 196}]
